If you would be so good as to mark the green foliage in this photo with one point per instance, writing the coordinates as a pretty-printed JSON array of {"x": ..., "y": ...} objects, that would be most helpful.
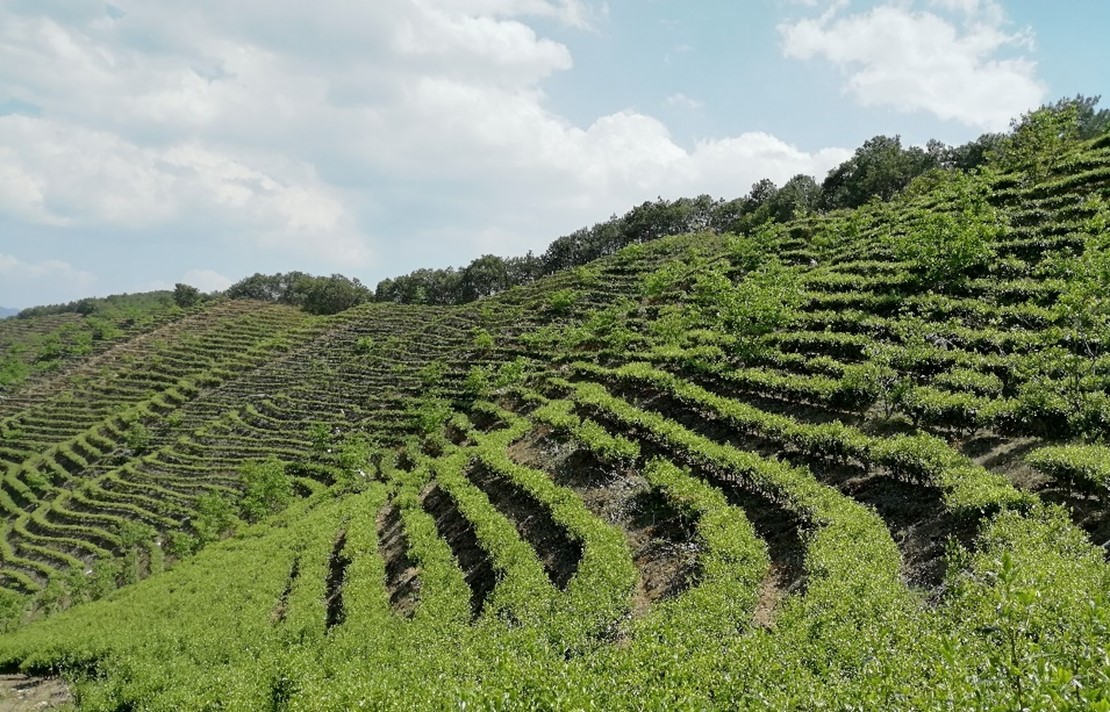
[
  {"x": 561, "y": 301},
  {"x": 764, "y": 301},
  {"x": 316, "y": 295},
  {"x": 432, "y": 374},
  {"x": 13, "y": 371},
  {"x": 478, "y": 382},
  {"x": 319, "y": 434},
  {"x": 185, "y": 296},
  {"x": 879, "y": 169},
  {"x": 482, "y": 340},
  {"x": 136, "y": 436},
  {"x": 1043, "y": 138},
  {"x": 181, "y": 544},
  {"x": 365, "y": 345},
  {"x": 429, "y": 414},
  {"x": 354, "y": 461},
  {"x": 510, "y": 373},
  {"x": 267, "y": 488},
  {"x": 672, "y": 277},
  {"x": 946, "y": 248},
  {"x": 215, "y": 517},
  {"x": 116, "y": 307},
  {"x": 484, "y": 277},
  {"x": 1085, "y": 465},
  {"x": 12, "y": 607}
]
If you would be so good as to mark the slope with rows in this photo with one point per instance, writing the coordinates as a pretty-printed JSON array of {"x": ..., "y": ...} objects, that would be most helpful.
[{"x": 852, "y": 461}]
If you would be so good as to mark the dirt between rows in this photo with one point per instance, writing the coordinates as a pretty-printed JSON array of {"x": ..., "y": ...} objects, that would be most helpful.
[
  {"x": 663, "y": 543},
  {"x": 22, "y": 693}
]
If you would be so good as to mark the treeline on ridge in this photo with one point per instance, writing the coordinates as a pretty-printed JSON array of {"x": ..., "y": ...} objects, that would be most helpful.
[{"x": 878, "y": 170}]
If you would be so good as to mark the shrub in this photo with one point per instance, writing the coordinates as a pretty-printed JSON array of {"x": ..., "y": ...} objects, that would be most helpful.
[
  {"x": 561, "y": 301},
  {"x": 268, "y": 488},
  {"x": 481, "y": 339},
  {"x": 1085, "y": 465},
  {"x": 215, "y": 517}
]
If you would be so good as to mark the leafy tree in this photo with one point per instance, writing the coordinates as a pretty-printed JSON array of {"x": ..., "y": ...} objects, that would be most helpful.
[
  {"x": 523, "y": 270},
  {"x": 328, "y": 295},
  {"x": 1044, "y": 137},
  {"x": 12, "y": 605},
  {"x": 266, "y": 287},
  {"x": 1092, "y": 123},
  {"x": 945, "y": 248},
  {"x": 764, "y": 301},
  {"x": 319, "y": 434},
  {"x": 972, "y": 154},
  {"x": 316, "y": 295},
  {"x": 185, "y": 296},
  {"x": 484, "y": 277},
  {"x": 137, "y": 436},
  {"x": 354, "y": 460},
  {"x": 482, "y": 340},
  {"x": 215, "y": 517},
  {"x": 880, "y": 169},
  {"x": 429, "y": 414},
  {"x": 798, "y": 196},
  {"x": 268, "y": 488}
]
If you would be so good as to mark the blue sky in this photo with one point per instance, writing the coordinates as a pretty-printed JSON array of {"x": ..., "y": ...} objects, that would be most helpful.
[{"x": 148, "y": 142}]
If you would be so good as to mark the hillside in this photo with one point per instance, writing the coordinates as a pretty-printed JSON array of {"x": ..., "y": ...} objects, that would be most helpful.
[
  {"x": 6, "y": 312},
  {"x": 852, "y": 460}
]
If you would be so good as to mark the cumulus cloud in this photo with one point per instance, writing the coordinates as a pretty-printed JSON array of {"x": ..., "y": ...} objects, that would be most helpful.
[
  {"x": 314, "y": 129},
  {"x": 18, "y": 277},
  {"x": 914, "y": 59},
  {"x": 64, "y": 174},
  {"x": 206, "y": 280}
]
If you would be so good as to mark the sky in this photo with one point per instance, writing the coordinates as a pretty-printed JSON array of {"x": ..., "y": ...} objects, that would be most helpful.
[{"x": 149, "y": 142}]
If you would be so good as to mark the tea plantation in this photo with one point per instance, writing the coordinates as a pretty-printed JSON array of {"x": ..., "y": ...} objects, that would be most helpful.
[{"x": 853, "y": 460}]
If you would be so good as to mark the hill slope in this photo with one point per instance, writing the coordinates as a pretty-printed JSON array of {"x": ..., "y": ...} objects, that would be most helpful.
[{"x": 815, "y": 466}]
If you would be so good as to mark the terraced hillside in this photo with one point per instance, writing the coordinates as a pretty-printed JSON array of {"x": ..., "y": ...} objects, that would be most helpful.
[{"x": 854, "y": 461}]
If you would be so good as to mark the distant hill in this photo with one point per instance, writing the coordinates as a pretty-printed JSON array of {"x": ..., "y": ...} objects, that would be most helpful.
[{"x": 5, "y": 312}]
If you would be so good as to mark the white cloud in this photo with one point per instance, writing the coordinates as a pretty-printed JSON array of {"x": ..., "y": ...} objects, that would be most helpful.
[
  {"x": 910, "y": 59},
  {"x": 682, "y": 101},
  {"x": 240, "y": 117},
  {"x": 68, "y": 175},
  {"x": 17, "y": 273},
  {"x": 206, "y": 280}
]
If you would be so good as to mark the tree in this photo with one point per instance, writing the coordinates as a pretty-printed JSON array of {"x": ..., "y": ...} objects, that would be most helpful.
[
  {"x": 1042, "y": 138},
  {"x": 798, "y": 196},
  {"x": 215, "y": 517},
  {"x": 1089, "y": 122},
  {"x": 268, "y": 488},
  {"x": 880, "y": 169},
  {"x": 185, "y": 296},
  {"x": 972, "y": 154},
  {"x": 316, "y": 295},
  {"x": 523, "y": 270},
  {"x": 485, "y": 276},
  {"x": 328, "y": 295},
  {"x": 945, "y": 247},
  {"x": 763, "y": 301}
]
